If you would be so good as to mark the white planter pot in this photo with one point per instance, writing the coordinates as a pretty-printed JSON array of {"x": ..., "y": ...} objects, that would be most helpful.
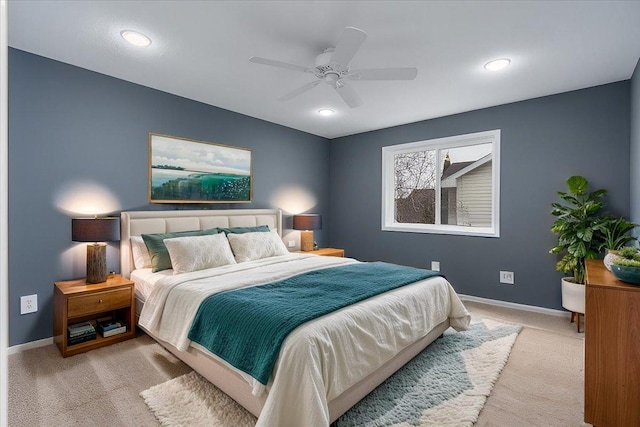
[
  {"x": 572, "y": 295},
  {"x": 609, "y": 257}
]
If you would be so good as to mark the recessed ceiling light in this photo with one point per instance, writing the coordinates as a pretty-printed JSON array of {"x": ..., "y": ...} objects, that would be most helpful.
[
  {"x": 497, "y": 64},
  {"x": 325, "y": 112},
  {"x": 136, "y": 38}
]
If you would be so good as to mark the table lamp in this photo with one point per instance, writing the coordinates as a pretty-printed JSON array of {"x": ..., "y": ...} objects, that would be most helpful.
[
  {"x": 96, "y": 230},
  {"x": 307, "y": 223}
]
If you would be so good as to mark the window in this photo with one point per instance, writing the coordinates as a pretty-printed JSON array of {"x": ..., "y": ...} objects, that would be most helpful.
[{"x": 445, "y": 186}]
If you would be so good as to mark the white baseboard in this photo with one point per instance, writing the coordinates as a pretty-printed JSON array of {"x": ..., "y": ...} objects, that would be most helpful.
[
  {"x": 29, "y": 345},
  {"x": 524, "y": 307}
]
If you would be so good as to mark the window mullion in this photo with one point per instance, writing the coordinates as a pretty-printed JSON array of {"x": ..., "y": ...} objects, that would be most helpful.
[{"x": 437, "y": 189}]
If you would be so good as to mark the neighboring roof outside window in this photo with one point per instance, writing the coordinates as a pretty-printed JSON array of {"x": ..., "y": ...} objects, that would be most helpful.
[
  {"x": 456, "y": 170},
  {"x": 453, "y": 168}
]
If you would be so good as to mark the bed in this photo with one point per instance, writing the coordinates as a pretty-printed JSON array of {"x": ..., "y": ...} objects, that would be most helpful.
[{"x": 325, "y": 366}]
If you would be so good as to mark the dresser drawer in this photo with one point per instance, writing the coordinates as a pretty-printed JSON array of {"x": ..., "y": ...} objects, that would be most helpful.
[{"x": 98, "y": 302}]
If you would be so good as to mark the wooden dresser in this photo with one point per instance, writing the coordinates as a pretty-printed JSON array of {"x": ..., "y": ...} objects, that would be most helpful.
[{"x": 612, "y": 350}]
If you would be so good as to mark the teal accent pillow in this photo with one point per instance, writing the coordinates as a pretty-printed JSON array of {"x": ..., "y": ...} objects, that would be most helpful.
[
  {"x": 242, "y": 230},
  {"x": 158, "y": 252}
]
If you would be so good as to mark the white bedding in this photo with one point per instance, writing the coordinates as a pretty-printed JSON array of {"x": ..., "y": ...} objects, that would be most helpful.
[
  {"x": 322, "y": 358},
  {"x": 145, "y": 279}
]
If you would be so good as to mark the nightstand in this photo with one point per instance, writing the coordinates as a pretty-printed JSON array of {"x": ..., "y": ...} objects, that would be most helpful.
[
  {"x": 325, "y": 252},
  {"x": 77, "y": 301}
]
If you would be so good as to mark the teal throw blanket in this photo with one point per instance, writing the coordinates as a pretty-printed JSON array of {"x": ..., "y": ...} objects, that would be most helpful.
[{"x": 246, "y": 327}]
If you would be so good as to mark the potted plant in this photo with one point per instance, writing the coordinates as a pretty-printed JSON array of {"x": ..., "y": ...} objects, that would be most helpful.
[
  {"x": 577, "y": 225},
  {"x": 626, "y": 265},
  {"x": 615, "y": 233}
]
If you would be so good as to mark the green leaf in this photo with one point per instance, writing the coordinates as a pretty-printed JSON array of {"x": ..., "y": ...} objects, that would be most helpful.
[
  {"x": 592, "y": 207},
  {"x": 570, "y": 199},
  {"x": 577, "y": 185},
  {"x": 567, "y": 264},
  {"x": 587, "y": 235},
  {"x": 591, "y": 254},
  {"x": 580, "y": 249},
  {"x": 559, "y": 207},
  {"x": 598, "y": 193},
  {"x": 600, "y": 226}
]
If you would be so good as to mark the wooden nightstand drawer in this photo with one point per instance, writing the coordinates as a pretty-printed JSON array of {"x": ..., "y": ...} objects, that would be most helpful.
[{"x": 98, "y": 302}]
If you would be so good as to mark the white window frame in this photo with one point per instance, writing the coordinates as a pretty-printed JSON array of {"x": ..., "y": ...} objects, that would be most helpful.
[{"x": 388, "y": 188}]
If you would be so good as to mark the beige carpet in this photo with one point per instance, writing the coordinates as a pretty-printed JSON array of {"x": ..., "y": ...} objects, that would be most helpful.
[
  {"x": 541, "y": 385},
  {"x": 543, "y": 381}
]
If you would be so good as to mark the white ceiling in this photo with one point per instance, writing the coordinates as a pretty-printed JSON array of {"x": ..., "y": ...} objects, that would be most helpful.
[{"x": 201, "y": 51}]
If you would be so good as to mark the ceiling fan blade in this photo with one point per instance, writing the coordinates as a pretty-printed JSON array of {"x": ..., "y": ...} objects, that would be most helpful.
[
  {"x": 347, "y": 94},
  {"x": 349, "y": 43},
  {"x": 280, "y": 64},
  {"x": 408, "y": 73},
  {"x": 300, "y": 90}
]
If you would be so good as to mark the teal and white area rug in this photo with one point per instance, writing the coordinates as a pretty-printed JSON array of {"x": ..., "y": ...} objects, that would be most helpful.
[{"x": 445, "y": 385}]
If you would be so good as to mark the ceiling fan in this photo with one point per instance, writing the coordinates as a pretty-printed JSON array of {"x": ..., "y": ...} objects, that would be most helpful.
[{"x": 332, "y": 68}]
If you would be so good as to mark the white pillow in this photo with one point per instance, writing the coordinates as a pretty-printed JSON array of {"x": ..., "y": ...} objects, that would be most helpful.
[
  {"x": 251, "y": 246},
  {"x": 141, "y": 258},
  {"x": 192, "y": 253}
]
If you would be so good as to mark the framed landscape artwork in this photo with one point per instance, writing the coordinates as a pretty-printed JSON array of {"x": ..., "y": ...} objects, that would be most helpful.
[{"x": 187, "y": 171}]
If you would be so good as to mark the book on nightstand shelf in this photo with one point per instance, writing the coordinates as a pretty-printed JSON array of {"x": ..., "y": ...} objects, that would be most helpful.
[
  {"x": 116, "y": 331},
  {"x": 109, "y": 327},
  {"x": 81, "y": 332},
  {"x": 81, "y": 338},
  {"x": 81, "y": 328}
]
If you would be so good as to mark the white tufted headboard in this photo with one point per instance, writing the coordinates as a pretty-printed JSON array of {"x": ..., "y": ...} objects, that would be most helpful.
[{"x": 135, "y": 223}]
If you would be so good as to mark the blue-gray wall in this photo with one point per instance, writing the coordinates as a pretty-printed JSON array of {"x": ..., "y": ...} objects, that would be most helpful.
[
  {"x": 543, "y": 142},
  {"x": 68, "y": 125},
  {"x": 635, "y": 147}
]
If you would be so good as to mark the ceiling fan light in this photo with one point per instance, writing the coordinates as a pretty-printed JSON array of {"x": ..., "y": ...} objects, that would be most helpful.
[
  {"x": 326, "y": 112},
  {"x": 136, "y": 38},
  {"x": 497, "y": 64}
]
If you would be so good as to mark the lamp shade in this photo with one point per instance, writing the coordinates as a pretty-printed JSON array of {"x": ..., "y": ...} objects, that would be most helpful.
[
  {"x": 307, "y": 222},
  {"x": 95, "y": 229}
]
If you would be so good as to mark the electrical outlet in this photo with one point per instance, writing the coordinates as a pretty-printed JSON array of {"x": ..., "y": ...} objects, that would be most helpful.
[
  {"x": 29, "y": 304},
  {"x": 507, "y": 277},
  {"x": 435, "y": 265},
  {"x": 292, "y": 243}
]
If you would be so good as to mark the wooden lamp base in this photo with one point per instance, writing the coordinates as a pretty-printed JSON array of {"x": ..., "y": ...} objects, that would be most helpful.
[
  {"x": 97, "y": 263},
  {"x": 306, "y": 240}
]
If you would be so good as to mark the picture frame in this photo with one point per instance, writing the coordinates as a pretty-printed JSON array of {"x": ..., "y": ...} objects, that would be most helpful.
[{"x": 184, "y": 170}]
